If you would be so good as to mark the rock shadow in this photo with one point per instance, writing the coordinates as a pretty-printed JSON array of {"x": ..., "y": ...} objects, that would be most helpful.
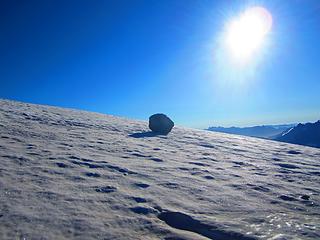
[{"x": 145, "y": 134}]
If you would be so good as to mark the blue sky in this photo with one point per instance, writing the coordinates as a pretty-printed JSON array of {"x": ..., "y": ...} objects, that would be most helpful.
[{"x": 135, "y": 58}]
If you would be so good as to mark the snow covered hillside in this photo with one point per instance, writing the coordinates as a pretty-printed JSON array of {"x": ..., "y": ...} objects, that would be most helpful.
[{"x": 80, "y": 175}]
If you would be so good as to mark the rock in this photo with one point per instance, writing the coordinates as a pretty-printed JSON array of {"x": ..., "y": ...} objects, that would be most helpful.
[{"x": 160, "y": 123}]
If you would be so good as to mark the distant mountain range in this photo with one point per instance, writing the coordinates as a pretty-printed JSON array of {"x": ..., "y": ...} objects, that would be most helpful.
[
  {"x": 304, "y": 134},
  {"x": 265, "y": 131}
]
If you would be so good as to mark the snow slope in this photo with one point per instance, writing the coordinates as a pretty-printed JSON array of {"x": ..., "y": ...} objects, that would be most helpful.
[{"x": 80, "y": 175}]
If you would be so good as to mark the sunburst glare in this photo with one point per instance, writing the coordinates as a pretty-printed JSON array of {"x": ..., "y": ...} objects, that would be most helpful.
[{"x": 245, "y": 34}]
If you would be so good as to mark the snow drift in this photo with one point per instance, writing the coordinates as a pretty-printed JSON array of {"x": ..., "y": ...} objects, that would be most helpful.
[{"x": 80, "y": 175}]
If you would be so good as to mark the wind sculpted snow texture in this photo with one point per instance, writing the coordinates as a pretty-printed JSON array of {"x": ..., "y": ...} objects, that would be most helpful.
[{"x": 80, "y": 175}]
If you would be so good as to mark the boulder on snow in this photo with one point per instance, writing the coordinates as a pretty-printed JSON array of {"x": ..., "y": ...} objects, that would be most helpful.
[{"x": 160, "y": 123}]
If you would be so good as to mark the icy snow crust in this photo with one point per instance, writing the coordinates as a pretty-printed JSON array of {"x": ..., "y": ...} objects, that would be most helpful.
[{"x": 80, "y": 175}]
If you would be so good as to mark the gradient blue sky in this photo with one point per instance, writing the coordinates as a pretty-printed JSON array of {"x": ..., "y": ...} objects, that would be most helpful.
[{"x": 135, "y": 58}]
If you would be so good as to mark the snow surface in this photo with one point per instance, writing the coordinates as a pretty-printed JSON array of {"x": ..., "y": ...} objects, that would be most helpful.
[{"x": 80, "y": 175}]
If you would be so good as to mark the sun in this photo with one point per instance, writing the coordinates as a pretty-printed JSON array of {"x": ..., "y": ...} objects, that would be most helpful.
[{"x": 245, "y": 34}]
